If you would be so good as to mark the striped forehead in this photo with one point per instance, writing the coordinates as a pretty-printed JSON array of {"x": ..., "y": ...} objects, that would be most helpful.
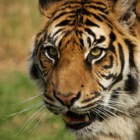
[{"x": 83, "y": 21}]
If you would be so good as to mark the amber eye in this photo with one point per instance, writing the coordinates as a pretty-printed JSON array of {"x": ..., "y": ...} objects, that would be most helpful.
[
  {"x": 51, "y": 51},
  {"x": 96, "y": 52}
]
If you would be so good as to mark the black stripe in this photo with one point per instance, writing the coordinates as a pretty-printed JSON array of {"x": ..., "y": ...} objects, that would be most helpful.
[
  {"x": 96, "y": 94},
  {"x": 90, "y": 23},
  {"x": 39, "y": 34},
  {"x": 38, "y": 40},
  {"x": 100, "y": 3},
  {"x": 118, "y": 79},
  {"x": 120, "y": 76},
  {"x": 90, "y": 105},
  {"x": 59, "y": 16},
  {"x": 97, "y": 8},
  {"x": 82, "y": 11},
  {"x": 109, "y": 76},
  {"x": 131, "y": 53},
  {"x": 48, "y": 97},
  {"x": 111, "y": 63},
  {"x": 57, "y": 32},
  {"x": 114, "y": 95},
  {"x": 98, "y": 18},
  {"x": 131, "y": 84},
  {"x": 104, "y": 17},
  {"x": 63, "y": 23},
  {"x": 73, "y": 22},
  {"x": 112, "y": 40},
  {"x": 82, "y": 42},
  {"x": 68, "y": 32},
  {"x": 90, "y": 32},
  {"x": 69, "y": 3},
  {"x": 89, "y": 42},
  {"x": 38, "y": 43},
  {"x": 104, "y": 88},
  {"x": 122, "y": 59},
  {"x": 36, "y": 72},
  {"x": 101, "y": 39},
  {"x": 50, "y": 105}
]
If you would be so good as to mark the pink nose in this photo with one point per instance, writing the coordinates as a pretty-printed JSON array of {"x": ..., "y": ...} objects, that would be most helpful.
[{"x": 67, "y": 99}]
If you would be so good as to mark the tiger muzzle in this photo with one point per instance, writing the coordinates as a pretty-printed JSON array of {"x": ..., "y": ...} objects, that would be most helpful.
[{"x": 67, "y": 99}]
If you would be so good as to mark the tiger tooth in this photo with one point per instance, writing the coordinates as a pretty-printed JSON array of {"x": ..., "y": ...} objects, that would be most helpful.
[{"x": 86, "y": 119}]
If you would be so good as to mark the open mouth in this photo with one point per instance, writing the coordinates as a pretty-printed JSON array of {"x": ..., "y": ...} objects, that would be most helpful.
[{"x": 77, "y": 121}]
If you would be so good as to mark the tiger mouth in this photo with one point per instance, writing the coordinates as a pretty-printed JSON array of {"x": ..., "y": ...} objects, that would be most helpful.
[{"x": 77, "y": 121}]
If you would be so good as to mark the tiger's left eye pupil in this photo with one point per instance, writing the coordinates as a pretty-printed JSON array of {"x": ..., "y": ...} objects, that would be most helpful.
[{"x": 53, "y": 51}]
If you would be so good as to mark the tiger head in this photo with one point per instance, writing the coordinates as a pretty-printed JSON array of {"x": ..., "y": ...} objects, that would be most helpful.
[{"x": 86, "y": 60}]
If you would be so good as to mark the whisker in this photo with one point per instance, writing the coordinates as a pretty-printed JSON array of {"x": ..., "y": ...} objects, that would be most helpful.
[
  {"x": 110, "y": 112},
  {"x": 122, "y": 111},
  {"x": 30, "y": 120},
  {"x": 118, "y": 103},
  {"x": 102, "y": 113},
  {"x": 120, "y": 94},
  {"x": 31, "y": 107},
  {"x": 37, "y": 124},
  {"x": 27, "y": 100},
  {"x": 114, "y": 108},
  {"x": 97, "y": 111}
]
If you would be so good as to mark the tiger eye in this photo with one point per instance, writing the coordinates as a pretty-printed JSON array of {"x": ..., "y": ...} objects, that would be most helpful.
[
  {"x": 53, "y": 51},
  {"x": 96, "y": 52}
]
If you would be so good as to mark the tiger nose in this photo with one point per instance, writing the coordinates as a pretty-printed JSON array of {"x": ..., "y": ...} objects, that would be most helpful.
[{"x": 67, "y": 99}]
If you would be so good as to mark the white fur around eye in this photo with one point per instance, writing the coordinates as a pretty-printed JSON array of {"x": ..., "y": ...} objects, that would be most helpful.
[
  {"x": 49, "y": 57},
  {"x": 101, "y": 56},
  {"x": 89, "y": 55},
  {"x": 47, "y": 44},
  {"x": 51, "y": 52}
]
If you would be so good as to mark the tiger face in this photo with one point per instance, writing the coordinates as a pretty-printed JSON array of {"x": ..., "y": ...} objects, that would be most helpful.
[{"x": 84, "y": 60}]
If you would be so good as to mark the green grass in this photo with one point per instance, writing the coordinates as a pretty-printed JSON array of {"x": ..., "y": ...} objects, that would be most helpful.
[{"x": 16, "y": 87}]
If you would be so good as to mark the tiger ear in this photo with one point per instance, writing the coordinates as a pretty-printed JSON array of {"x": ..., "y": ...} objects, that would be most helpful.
[
  {"x": 125, "y": 11},
  {"x": 45, "y": 4}
]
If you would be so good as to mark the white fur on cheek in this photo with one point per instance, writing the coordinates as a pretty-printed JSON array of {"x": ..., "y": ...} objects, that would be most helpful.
[{"x": 90, "y": 131}]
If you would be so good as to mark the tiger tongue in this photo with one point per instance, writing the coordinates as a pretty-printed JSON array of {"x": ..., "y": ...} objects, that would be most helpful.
[{"x": 75, "y": 120}]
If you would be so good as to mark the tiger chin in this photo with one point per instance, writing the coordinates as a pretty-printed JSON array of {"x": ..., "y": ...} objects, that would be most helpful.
[{"x": 86, "y": 61}]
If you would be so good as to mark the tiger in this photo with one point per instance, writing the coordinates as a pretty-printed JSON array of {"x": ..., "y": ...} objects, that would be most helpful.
[{"x": 85, "y": 60}]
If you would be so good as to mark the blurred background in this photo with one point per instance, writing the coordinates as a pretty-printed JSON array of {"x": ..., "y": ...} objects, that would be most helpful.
[{"x": 22, "y": 114}]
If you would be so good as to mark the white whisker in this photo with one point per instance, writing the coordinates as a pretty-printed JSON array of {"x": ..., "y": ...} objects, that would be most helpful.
[
  {"x": 27, "y": 100},
  {"x": 31, "y": 107},
  {"x": 37, "y": 124},
  {"x": 97, "y": 111},
  {"x": 30, "y": 120},
  {"x": 110, "y": 112},
  {"x": 118, "y": 103}
]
